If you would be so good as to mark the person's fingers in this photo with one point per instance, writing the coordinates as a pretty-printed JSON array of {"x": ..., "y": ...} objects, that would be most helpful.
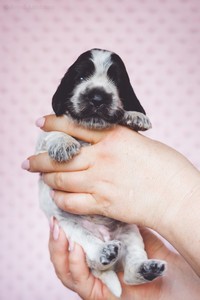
[
  {"x": 65, "y": 124},
  {"x": 76, "y": 182},
  {"x": 76, "y": 203},
  {"x": 68, "y": 258},
  {"x": 70, "y": 264},
  {"x": 59, "y": 254},
  {"x": 84, "y": 282},
  {"x": 43, "y": 163},
  {"x": 78, "y": 268}
]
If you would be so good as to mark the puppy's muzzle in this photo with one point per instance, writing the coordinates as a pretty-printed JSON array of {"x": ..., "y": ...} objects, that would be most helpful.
[{"x": 97, "y": 97}]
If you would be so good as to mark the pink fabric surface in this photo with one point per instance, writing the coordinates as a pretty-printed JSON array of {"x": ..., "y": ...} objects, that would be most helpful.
[{"x": 159, "y": 42}]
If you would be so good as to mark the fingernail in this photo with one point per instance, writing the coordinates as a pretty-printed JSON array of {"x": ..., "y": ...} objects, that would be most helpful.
[
  {"x": 26, "y": 165},
  {"x": 71, "y": 245},
  {"x": 40, "y": 122},
  {"x": 56, "y": 231}
]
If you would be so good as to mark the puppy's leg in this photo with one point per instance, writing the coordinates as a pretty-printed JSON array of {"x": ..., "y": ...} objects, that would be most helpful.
[
  {"x": 136, "y": 121},
  {"x": 60, "y": 146},
  {"x": 138, "y": 268},
  {"x": 100, "y": 255},
  {"x": 110, "y": 279}
]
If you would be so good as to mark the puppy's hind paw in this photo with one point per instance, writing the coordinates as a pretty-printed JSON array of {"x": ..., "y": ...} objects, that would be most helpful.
[
  {"x": 151, "y": 269},
  {"x": 143, "y": 272},
  {"x": 110, "y": 253}
]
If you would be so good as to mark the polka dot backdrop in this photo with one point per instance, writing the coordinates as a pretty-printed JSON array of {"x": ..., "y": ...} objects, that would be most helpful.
[{"x": 159, "y": 42}]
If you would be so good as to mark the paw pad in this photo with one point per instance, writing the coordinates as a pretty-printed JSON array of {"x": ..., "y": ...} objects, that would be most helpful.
[
  {"x": 152, "y": 269},
  {"x": 110, "y": 253}
]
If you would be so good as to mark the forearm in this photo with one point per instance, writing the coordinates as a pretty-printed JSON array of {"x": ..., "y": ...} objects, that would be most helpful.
[
  {"x": 181, "y": 281},
  {"x": 180, "y": 222}
]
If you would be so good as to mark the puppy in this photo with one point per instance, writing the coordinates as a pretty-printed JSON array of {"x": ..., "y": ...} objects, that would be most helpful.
[{"x": 96, "y": 93}]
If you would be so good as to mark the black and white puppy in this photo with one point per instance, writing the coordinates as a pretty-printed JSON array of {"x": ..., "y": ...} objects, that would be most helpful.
[{"x": 96, "y": 93}]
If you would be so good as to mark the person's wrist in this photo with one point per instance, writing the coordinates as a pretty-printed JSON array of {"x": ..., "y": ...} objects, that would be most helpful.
[
  {"x": 174, "y": 178},
  {"x": 181, "y": 214},
  {"x": 177, "y": 196}
]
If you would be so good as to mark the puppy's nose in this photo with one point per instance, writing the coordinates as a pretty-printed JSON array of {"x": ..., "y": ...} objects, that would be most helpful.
[{"x": 97, "y": 98}]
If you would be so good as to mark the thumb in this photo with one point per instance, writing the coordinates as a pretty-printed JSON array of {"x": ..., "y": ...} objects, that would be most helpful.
[{"x": 76, "y": 203}]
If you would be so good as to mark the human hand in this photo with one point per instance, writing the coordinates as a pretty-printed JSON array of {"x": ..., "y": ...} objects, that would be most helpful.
[
  {"x": 72, "y": 270},
  {"x": 123, "y": 175},
  {"x": 70, "y": 266},
  {"x": 129, "y": 177}
]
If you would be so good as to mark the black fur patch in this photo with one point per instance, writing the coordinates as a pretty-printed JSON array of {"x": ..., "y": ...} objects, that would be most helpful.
[{"x": 83, "y": 69}]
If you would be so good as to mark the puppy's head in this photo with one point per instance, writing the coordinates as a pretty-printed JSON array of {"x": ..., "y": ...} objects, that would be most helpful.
[{"x": 96, "y": 90}]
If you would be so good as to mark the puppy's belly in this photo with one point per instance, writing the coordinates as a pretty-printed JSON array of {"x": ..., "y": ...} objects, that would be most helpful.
[{"x": 101, "y": 227}]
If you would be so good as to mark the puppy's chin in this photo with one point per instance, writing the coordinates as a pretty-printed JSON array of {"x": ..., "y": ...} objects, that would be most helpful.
[
  {"x": 98, "y": 120},
  {"x": 94, "y": 123}
]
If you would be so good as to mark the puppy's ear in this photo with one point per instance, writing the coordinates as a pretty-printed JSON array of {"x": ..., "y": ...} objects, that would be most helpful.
[
  {"x": 127, "y": 94},
  {"x": 82, "y": 67},
  {"x": 61, "y": 96},
  {"x": 130, "y": 101}
]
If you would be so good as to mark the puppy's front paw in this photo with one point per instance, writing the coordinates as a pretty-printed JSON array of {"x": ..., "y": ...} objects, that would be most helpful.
[
  {"x": 136, "y": 121},
  {"x": 63, "y": 149}
]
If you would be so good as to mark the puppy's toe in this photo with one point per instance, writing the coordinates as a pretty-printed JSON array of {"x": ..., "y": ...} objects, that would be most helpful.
[
  {"x": 143, "y": 122},
  {"x": 136, "y": 121}
]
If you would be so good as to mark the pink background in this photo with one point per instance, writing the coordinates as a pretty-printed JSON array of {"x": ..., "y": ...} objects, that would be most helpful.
[{"x": 159, "y": 42}]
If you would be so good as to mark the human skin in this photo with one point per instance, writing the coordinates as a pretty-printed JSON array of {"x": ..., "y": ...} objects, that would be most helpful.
[
  {"x": 179, "y": 282},
  {"x": 160, "y": 187}
]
